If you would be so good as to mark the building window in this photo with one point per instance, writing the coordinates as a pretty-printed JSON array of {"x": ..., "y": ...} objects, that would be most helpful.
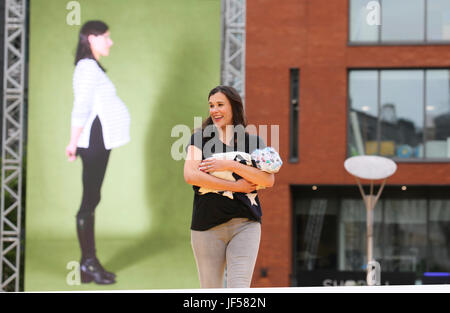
[
  {"x": 439, "y": 236},
  {"x": 411, "y": 234},
  {"x": 399, "y": 21},
  {"x": 403, "y": 114},
  {"x": 294, "y": 100}
]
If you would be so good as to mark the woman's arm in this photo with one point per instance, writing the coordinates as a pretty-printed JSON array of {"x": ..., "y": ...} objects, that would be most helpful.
[
  {"x": 253, "y": 174},
  {"x": 193, "y": 176},
  {"x": 71, "y": 148},
  {"x": 249, "y": 173},
  {"x": 84, "y": 82}
]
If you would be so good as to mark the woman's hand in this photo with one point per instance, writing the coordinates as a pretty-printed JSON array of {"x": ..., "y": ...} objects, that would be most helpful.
[
  {"x": 244, "y": 186},
  {"x": 71, "y": 152},
  {"x": 212, "y": 165}
]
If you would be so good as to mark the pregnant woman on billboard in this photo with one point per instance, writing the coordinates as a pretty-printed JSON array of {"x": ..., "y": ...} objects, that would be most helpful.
[
  {"x": 100, "y": 122},
  {"x": 225, "y": 227}
]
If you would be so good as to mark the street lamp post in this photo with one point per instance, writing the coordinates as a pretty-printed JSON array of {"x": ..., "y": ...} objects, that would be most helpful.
[{"x": 371, "y": 168}]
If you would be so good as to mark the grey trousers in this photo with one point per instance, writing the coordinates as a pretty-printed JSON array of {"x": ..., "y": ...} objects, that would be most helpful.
[{"x": 234, "y": 244}]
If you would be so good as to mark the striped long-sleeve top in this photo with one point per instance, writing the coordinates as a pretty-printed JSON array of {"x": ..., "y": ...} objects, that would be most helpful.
[{"x": 95, "y": 95}]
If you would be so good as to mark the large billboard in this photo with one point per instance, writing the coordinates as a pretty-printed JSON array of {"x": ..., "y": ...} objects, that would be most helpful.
[{"x": 164, "y": 60}]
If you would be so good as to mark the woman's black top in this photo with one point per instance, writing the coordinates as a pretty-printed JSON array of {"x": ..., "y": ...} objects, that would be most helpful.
[{"x": 212, "y": 209}]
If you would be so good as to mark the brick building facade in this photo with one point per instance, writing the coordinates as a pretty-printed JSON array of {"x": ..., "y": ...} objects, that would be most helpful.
[{"x": 313, "y": 36}]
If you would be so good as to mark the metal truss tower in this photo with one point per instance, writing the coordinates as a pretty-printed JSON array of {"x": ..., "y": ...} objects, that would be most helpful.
[
  {"x": 12, "y": 143},
  {"x": 233, "y": 44}
]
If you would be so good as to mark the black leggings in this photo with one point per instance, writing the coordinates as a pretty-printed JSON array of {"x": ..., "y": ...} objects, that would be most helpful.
[{"x": 95, "y": 159}]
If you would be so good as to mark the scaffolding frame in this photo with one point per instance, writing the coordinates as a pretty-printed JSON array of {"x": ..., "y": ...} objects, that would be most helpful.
[
  {"x": 233, "y": 44},
  {"x": 13, "y": 127}
]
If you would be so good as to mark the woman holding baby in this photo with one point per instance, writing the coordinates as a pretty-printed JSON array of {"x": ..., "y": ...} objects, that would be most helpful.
[{"x": 225, "y": 231}]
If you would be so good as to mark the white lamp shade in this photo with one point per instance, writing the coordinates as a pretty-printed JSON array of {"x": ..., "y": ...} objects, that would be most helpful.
[{"x": 370, "y": 167}]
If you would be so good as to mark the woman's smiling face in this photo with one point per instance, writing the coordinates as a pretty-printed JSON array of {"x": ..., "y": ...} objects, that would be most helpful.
[{"x": 220, "y": 110}]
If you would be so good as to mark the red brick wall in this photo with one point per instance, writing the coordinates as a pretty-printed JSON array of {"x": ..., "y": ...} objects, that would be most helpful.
[{"x": 312, "y": 36}]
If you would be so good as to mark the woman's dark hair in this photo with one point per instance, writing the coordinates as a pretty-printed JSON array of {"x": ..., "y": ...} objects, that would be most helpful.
[
  {"x": 236, "y": 105},
  {"x": 84, "y": 48}
]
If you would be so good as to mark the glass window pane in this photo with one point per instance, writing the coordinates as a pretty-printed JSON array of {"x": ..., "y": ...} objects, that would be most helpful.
[
  {"x": 352, "y": 245},
  {"x": 360, "y": 29},
  {"x": 405, "y": 243},
  {"x": 438, "y": 114},
  {"x": 438, "y": 20},
  {"x": 363, "y": 112},
  {"x": 401, "y": 112},
  {"x": 294, "y": 105},
  {"x": 439, "y": 236},
  {"x": 403, "y": 20},
  {"x": 316, "y": 221}
]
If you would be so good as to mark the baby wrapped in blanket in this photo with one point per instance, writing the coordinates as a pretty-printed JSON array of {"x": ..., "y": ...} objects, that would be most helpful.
[{"x": 266, "y": 159}]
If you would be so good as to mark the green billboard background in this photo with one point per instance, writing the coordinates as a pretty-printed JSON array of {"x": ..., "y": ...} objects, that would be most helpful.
[{"x": 164, "y": 61}]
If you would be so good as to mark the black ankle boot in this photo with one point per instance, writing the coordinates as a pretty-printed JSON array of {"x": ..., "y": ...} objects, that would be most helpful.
[
  {"x": 108, "y": 274},
  {"x": 91, "y": 270},
  {"x": 85, "y": 231}
]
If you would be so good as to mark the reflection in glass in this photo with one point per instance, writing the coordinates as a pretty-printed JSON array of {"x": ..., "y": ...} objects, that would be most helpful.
[
  {"x": 437, "y": 114},
  {"x": 360, "y": 30},
  {"x": 411, "y": 231},
  {"x": 401, "y": 112},
  {"x": 438, "y": 20},
  {"x": 403, "y": 20},
  {"x": 363, "y": 112},
  {"x": 353, "y": 235},
  {"x": 410, "y": 120},
  {"x": 316, "y": 221},
  {"x": 405, "y": 235},
  {"x": 439, "y": 236}
]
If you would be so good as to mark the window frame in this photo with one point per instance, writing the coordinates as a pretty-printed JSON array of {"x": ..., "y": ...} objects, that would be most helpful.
[
  {"x": 294, "y": 115},
  {"x": 391, "y": 192},
  {"x": 379, "y": 69},
  {"x": 379, "y": 42}
]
